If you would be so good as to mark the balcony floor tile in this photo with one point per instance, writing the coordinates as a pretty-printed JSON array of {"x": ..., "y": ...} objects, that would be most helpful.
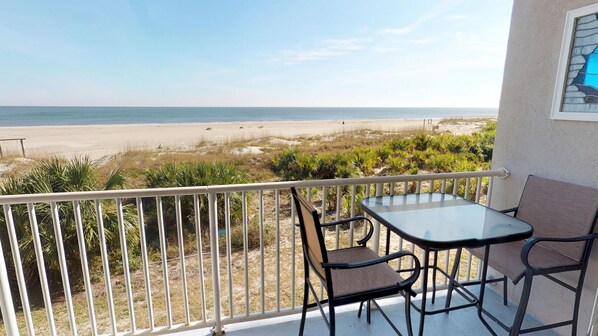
[{"x": 461, "y": 322}]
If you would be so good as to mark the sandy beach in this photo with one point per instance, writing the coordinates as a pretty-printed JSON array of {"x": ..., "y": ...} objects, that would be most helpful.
[{"x": 100, "y": 140}]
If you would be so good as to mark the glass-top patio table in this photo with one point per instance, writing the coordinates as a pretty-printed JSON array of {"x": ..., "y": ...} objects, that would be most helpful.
[{"x": 436, "y": 222}]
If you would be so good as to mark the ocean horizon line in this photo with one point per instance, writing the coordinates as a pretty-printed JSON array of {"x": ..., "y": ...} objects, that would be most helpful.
[
  {"x": 100, "y": 115},
  {"x": 284, "y": 107}
]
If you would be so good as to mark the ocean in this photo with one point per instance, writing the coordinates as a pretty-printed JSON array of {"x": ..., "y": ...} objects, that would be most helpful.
[{"x": 72, "y": 115}]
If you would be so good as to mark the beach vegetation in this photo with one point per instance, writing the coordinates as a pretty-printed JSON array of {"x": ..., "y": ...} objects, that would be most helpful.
[
  {"x": 59, "y": 175},
  {"x": 189, "y": 174},
  {"x": 409, "y": 154}
]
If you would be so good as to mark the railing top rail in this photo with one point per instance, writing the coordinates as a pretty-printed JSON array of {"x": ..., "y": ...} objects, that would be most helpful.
[
  {"x": 501, "y": 172},
  {"x": 102, "y": 194},
  {"x": 162, "y": 192}
]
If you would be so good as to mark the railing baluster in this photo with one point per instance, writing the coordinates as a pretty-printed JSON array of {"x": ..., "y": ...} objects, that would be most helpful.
[
  {"x": 443, "y": 186},
  {"x": 293, "y": 261},
  {"x": 338, "y": 215},
  {"x": 418, "y": 187},
  {"x": 446, "y": 263},
  {"x": 405, "y": 187},
  {"x": 85, "y": 267},
  {"x": 63, "y": 268},
  {"x": 245, "y": 250},
  {"x": 215, "y": 255},
  {"x": 323, "y": 218},
  {"x": 392, "y": 189},
  {"x": 479, "y": 269},
  {"x": 367, "y": 194},
  {"x": 478, "y": 189},
  {"x": 376, "y": 236},
  {"x": 431, "y": 189},
  {"x": 277, "y": 207},
  {"x": 399, "y": 266},
  {"x": 262, "y": 275},
  {"x": 179, "y": 229},
  {"x": 39, "y": 254},
  {"x": 145, "y": 262},
  {"x": 352, "y": 224},
  {"x": 16, "y": 257},
  {"x": 126, "y": 270},
  {"x": 229, "y": 267},
  {"x": 198, "y": 236},
  {"x": 469, "y": 258},
  {"x": 467, "y": 184},
  {"x": 489, "y": 192},
  {"x": 455, "y": 186},
  {"x": 106, "y": 266},
  {"x": 7, "y": 309},
  {"x": 164, "y": 256}
]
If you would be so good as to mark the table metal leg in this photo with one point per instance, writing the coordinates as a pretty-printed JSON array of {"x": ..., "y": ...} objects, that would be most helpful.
[
  {"x": 483, "y": 290},
  {"x": 422, "y": 314},
  {"x": 455, "y": 276},
  {"x": 434, "y": 267}
]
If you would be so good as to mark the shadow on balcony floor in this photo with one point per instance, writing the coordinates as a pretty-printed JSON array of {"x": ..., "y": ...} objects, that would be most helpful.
[{"x": 461, "y": 322}]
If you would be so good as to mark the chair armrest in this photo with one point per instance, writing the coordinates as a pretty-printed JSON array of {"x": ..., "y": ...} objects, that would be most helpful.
[
  {"x": 363, "y": 240},
  {"x": 509, "y": 210},
  {"x": 529, "y": 245},
  {"x": 397, "y": 255}
]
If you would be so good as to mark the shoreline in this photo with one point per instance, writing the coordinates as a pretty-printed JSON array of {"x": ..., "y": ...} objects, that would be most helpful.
[
  {"x": 370, "y": 120},
  {"x": 98, "y": 141}
]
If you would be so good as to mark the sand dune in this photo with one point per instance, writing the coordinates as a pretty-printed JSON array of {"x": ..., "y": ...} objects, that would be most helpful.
[{"x": 100, "y": 140}]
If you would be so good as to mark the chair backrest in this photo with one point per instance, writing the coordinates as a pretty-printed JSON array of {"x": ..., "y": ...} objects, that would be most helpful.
[
  {"x": 559, "y": 209},
  {"x": 311, "y": 235}
]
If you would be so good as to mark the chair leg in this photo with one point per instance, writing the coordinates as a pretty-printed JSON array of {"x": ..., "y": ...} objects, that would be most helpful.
[
  {"x": 369, "y": 311},
  {"x": 332, "y": 319},
  {"x": 576, "y": 309},
  {"x": 454, "y": 271},
  {"x": 408, "y": 314},
  {"x": 434, "y": 276},
  {"x": 304, "y": 310},
  {"x": 504, "y": 290},
  {"x": 360, "y": 308},
  {"x": 527, "y": 288}
]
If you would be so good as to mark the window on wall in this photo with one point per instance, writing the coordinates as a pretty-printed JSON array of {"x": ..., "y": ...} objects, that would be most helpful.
[{"x": 576, "y": 89}]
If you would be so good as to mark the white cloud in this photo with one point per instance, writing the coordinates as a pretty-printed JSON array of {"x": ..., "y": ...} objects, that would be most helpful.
[
  {"x": 384, "y": 50},
  {"x": 329, "y": 48},
  {"x": 422, "y": 41},
  {"x": 457, "y": 17},
  {"x": 429, "y": 15},
  {"x": 397, "y": 31}
]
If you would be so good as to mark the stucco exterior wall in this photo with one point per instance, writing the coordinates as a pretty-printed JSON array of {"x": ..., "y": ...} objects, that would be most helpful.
[{"x": 529, "y": 142}]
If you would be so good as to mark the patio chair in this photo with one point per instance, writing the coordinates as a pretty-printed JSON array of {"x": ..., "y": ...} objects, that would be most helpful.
[
  {"x": 349, "y": 275},
  {"x": 564, "y": 216}
]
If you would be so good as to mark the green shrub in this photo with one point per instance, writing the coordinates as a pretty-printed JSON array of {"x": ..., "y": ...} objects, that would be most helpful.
[
  {"x": 253, "y": 236},
  {"x": 421, "y": 141},
  {"x": 296, "y": 165},
  {"x": 188, "y": 175},
  {"x": 59, "y": 175},
  {"x": 403, "y": 155}
]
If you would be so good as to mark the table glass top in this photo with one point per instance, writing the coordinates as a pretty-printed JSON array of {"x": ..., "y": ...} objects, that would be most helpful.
[{"x": 442, "y": 220}]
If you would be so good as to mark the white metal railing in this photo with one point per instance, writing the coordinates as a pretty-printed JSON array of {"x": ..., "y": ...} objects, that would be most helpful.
[{"x": 168, "y": 287}]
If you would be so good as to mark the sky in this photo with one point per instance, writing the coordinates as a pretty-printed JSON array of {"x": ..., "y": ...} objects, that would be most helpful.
[{"x": 309, "y": 53}]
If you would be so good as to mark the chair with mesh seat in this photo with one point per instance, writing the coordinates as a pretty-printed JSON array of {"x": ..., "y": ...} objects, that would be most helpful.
[
  {"x": 564, "y": 217},
  {"x": 349, "y": 275}
]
